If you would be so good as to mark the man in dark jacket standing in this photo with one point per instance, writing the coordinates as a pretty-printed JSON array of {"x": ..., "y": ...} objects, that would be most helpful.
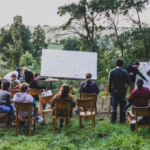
[
  {"x": 133, "y": 71},
  {"x": 118, "y": 77},
  {"x": 28, "y": 75}
]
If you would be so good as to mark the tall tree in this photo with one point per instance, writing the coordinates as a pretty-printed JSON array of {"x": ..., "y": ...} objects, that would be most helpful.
[
  {"x": 5, "y": 37},
  {"x": 111, "y": 12},
  {"x": 38, "y": 42},
  {"x": 25, "y": 33},
  {"x": 14, "y": 50},
  {"x": 26, "y": 36},
  {"x": 132, "y": 10},
  {"x": 114, "y": 12},
  {"x": 82, "y": 22}
]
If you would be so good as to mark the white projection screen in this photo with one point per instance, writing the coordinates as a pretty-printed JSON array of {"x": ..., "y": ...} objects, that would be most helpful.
[
  {"x": 65, "y": 64},
  {"x": 144, "y": 68}
]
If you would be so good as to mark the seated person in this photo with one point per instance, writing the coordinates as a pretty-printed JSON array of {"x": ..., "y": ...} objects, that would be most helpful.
[
  {"x": 34, "y": 85},
  {"x": 14, "y": 83},
  {"x": 0, "y": 83},
  {"x": 142, "y": 93},
  {"x": 23, "y": 97},
  {"x": 89, "y": 76},
  {"x": 17, "y": 72},
  {"x": 5, "y": 101},
  {"x": 63, "y": 96},
  {"x": 88, "y": 88},
  {"x": 28, "y": 75}
]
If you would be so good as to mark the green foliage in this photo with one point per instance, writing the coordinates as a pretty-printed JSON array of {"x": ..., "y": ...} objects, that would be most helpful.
[
  {"x": 140, "y": 39},
  {"x": 71, "y": 44},
  {"x": 26, "y": 60},
  {"x": 63, "y": 41},
  {"x": 26, "y": 36},
  {"x": 5, "y": 38},
  {"x": 14, "y": 42},
  {"x": 38, "y": 42},
  {"x": 15, "y": 50},
  {"x": 55, "y": 46}
]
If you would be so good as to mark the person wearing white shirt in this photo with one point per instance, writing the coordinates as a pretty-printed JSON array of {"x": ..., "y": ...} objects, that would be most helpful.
[{"x": 17, "y": 72}]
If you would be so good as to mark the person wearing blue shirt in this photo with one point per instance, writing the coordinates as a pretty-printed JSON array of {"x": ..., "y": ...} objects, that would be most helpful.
[
  {"x": 19, "y": 74},
  {"x": 89, "y": 76}
]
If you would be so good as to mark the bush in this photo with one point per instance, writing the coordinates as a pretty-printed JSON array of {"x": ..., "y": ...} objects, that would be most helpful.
[
  {"x": 63, "y": 41},
  {"x": 71, "y": 44}
]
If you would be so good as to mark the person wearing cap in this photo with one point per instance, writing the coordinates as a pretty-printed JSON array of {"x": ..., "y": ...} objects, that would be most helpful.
[{"x": 133, "y": 71}]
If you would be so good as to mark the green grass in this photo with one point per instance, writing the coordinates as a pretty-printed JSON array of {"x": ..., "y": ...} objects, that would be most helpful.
[
  {"x": 55, "y": 46},
  {"x": 105, "y": 136}
]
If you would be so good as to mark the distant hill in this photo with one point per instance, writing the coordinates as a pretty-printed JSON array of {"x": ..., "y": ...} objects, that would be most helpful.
[{"x": 52, "y": 34}]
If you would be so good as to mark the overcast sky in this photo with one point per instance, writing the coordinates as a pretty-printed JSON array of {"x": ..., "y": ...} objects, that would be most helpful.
[
  {"x": 43, "y": 12},
  {"x": 34, "y": 12}
]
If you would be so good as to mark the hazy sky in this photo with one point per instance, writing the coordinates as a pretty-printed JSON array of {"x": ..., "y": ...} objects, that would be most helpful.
[
  {"x": 43, "y": 12},
  {"x": 34, "y": 12}
]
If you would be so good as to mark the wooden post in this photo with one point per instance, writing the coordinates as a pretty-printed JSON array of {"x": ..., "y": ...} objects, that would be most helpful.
[
  {"x": 78, "y": 88},
  {"x": 59, "y": 83}
]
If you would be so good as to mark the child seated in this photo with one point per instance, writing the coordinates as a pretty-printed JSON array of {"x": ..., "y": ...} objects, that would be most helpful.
[{"x": 14, "y": 83}]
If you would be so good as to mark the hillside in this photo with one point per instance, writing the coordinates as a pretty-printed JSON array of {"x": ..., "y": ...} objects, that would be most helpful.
[{"x": 52, "y": 34}]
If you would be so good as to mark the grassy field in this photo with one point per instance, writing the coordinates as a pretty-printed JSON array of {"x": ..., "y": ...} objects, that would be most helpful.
[
  {"x": 55, "y": 46},
  {"x": 105, "y": 136}
]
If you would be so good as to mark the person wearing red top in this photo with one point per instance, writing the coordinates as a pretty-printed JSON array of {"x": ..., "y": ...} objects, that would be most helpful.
[{"x": 141, "y": 93}]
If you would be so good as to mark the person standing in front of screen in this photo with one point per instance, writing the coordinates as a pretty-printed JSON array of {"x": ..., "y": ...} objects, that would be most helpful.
[
  {"x": 133, "y": 71},
  {"x": 117, "y": 79},
  {"x": 89, "y": 76}
]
